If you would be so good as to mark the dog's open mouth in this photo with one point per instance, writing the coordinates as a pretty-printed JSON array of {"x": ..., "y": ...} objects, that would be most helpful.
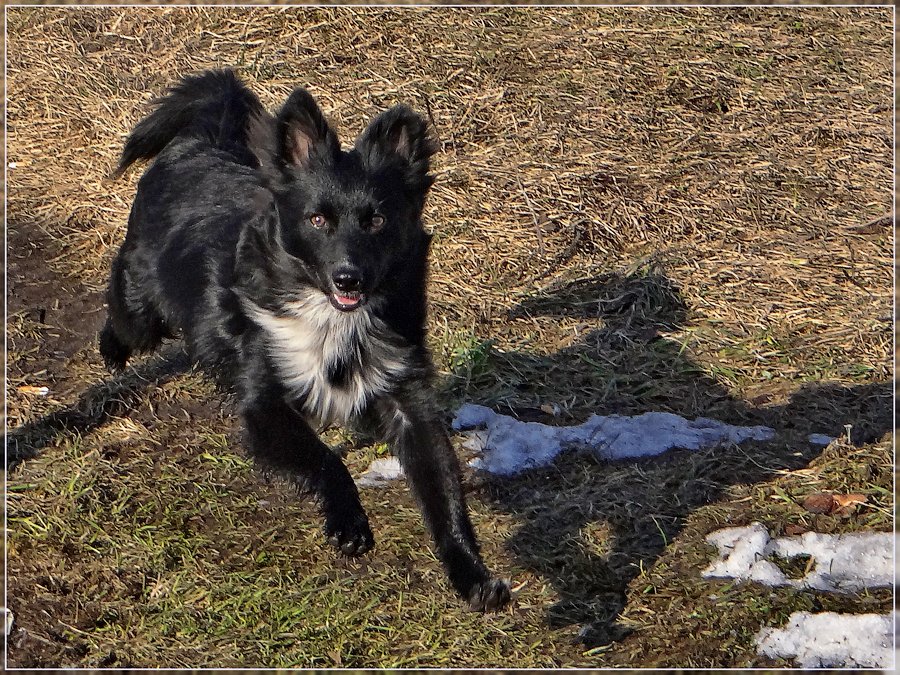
[{"x": 347, "y": 301}]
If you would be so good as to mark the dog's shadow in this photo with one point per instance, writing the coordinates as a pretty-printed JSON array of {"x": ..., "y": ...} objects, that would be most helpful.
[{"x": 603, "y": 523}]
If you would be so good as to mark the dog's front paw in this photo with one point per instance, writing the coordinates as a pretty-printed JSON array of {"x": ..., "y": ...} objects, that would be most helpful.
[
  {"x": 115, "y": 354},
  {"x": 351, "y": 535},
  {"x": 489, "y": 596}
]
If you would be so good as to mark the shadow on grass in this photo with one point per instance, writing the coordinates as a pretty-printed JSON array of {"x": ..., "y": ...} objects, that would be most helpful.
[
  {"x": 96, "y": 405},
  {"x": 631, "y": 510},
  {"x": 602, "y": 523}
]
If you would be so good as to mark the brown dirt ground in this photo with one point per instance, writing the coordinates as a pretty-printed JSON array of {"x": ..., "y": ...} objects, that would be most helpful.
[{"x": 635, "y": 209}]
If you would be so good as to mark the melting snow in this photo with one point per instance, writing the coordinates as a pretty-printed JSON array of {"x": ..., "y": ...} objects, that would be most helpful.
[
  {"x": 830, "y": 640},
  {"x": 508, "y": 446},
  {"x": 380, "y": 471},
  {"x": 847, "y": 562}
]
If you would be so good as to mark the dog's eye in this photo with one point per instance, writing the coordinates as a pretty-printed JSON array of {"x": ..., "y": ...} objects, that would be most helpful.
[
  {"x": 317, "y": 220},
  {"x": 376, "y": 223}
]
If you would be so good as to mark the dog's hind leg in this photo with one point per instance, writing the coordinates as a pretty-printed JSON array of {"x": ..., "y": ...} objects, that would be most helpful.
[
  {"x": 132, "y": 325},
  {"x": 279, "y": 438},
  {"x": 433, "y": 473}
]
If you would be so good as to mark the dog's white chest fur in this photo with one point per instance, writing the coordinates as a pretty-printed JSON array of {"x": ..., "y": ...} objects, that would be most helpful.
[{"x": 313, "y": 341}]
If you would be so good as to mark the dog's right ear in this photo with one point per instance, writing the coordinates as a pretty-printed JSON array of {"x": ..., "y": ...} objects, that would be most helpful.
[{"x": 303, "y": 134}]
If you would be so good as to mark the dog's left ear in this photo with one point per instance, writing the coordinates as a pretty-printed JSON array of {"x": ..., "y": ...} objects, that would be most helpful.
[{"x": 399, "y": 135}]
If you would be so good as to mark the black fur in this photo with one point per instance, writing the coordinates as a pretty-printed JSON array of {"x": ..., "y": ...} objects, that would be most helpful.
[{"x": 297, "y": 271}]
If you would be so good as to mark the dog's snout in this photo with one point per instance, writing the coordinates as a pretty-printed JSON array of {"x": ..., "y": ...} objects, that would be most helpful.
[{"x": 347, "y": 279}]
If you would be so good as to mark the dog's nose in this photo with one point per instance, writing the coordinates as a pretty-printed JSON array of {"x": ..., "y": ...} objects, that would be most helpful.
[{"x": 347, "y": 279}]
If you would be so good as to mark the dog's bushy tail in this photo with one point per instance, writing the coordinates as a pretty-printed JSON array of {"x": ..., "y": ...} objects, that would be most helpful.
[{"x": 214, "y": 106}]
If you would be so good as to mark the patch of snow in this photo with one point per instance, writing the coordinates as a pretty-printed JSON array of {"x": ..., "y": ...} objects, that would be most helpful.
[
  {"x": 380, "y": 471},
  {"x": 741, "y": 556},
  {"x": 508, "y": 446},
  {"x": 831, "y": 640},
  {"x": 819, "y": 439},
  {"x": 846, "y": 562}
]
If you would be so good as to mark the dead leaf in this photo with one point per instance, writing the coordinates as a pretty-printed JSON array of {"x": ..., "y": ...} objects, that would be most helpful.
[
  {"x": 850, "y": 500},
  {"x": 819, "y": 502},
  {"x": 846, "y": 503},
  {"x": 825, "y": 502},
  {"x": 792, "y": 530}
]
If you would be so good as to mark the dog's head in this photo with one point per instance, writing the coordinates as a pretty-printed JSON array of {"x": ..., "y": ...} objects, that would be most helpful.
[{"x": 348, "y": 222}]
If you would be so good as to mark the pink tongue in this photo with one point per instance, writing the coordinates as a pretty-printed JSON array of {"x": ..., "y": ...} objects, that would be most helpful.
[{"x": 345, "y": 300}]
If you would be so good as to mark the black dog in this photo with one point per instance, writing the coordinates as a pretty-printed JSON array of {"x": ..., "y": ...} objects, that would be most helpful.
[{"x": 298, "y": 271}]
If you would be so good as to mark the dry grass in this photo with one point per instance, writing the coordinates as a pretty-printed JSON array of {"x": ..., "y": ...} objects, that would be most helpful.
[{"x": 635, "y": 209}]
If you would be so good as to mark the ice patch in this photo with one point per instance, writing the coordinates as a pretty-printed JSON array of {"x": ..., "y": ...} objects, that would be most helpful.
[
  {"x": 830, "y": 640},
  {"x": 508, "y": 446},
  {"x": 843, "y": 563},
  {"x": 380, "y": 471},
  {"x": 819, "y": 439}
]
